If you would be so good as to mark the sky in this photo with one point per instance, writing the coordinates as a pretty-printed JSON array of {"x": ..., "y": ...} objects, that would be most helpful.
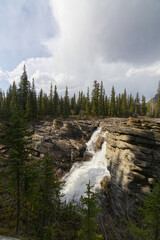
[{"x": 74, "y": 42}]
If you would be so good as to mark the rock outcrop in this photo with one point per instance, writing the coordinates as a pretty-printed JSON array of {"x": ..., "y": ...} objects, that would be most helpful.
[
  {"x": 133, "y": 156},
  {"x": 64, "y": 140}
]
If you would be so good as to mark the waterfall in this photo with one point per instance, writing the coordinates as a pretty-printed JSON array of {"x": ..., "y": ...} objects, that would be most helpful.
[{"x": 94, "y": 170}]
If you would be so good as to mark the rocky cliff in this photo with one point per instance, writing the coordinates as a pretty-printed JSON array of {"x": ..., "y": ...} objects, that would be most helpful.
[
  {"x": 133, "y": 155},
  {"x": 64, "y": 140}
]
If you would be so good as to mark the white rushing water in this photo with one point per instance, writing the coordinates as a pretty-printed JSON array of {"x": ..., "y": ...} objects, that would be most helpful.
[{"x": 94, "y": 170}]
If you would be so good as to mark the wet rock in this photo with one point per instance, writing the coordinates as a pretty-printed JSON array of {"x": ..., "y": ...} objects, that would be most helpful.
[
  {"x": 65, "y": 141},
  {"x": 99, "y": 143},
  {"x": 87, "y": 156}
]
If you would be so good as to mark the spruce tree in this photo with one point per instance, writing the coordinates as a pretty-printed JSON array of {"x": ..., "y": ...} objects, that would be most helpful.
[
  {"x": 119, "y": 105},
  {"x": 31, "y": 105},
  {"x": 45, "y": 105},
  {"x": 89, "y": 210},
  {"x": 56, "y": 102},
  {"x": 150, "y": 215},
  {"x": 73, "y": 104},
  {"x": 39, "y": 102},
  {"x": 61, "y": 103},
  {"x": 112, "y": 103},
  {"x": 66, "y": 105},
  {"x": 14, "y": 98},
  {"x": 143, "y": 106},
  {"x": 124, "y": 104},
  {"x": 18, "y": 150},
  {"x": 106, "y": 105},
  {"x": 47, "y": 204},
  {"x": 88, "y": 107},
  {"x": 137, "y": 104},
  {"x": 24, "y": 89},
  {"x": 131, "y": 105},
  {"x": 50, "y": 106},
  {"x": 101, "y": 100},
  {"x": 95, "y": 99}
]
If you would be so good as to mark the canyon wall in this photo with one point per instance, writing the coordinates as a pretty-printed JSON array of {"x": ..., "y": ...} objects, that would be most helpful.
[
  {"x": 64, "y": 140},
  {"x": 133, "y": 156}
]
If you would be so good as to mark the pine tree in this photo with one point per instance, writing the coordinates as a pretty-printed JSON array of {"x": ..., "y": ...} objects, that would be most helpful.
[
  {"x": 45, "y": 105},
  {"x": 89, "y": 211},
  {"x": 14, "y": 98},
  {"x": 137, "y": 104},
  {"x": 61, "y": 103},
  {"x": 56, "y": 102},
  {"x": 18, "y": 150},
  {"x": 39, "y": 103},
  {"x": 34, "y": 100},
  {"x": 88, "y": 105},
  {"x": 101, "y": 100},
  {"x": 150, "y": 215},
  {"x": 50, "y": 106},
  {"x": 66, "y": 105},
  {"x": 143, "y": 106},
  {"x": 24, "y": 89},
  {"x": 106, "y": 105},
  {"x": 119, "y": 105},
  {"x": 95, "y": 99},
  {"x": 124, "y": 104},
  {"x": 112, "y": 103},
  {"x": 47, "y": 204},
  {"x": 73, "y": 105}
]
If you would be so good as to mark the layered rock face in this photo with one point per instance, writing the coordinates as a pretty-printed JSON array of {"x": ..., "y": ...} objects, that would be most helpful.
[
  {"x": 133, "y": 156},
  {"x": 64, "y": 140}
]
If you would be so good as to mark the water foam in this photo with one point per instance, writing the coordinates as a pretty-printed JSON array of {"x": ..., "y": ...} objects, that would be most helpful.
[{"x": 80, "y": 174}]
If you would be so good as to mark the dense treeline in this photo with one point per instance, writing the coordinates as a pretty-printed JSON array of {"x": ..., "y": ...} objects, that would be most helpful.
[
  {"x": 30, "y": 193},
  {"x": 95, "y": 103}
]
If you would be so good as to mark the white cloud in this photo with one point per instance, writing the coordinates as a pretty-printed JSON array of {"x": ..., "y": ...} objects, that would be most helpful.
[
  {"x": 3, "y": 75},
  {"x": 102, "y": 40}
]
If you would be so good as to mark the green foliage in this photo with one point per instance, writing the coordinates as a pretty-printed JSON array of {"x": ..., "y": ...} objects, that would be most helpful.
[
  {"x": 66, "y": 105},
  {"x": 24, "y": 89},
  {"x": 143, "y": 106},
  {"x": 112, "y": 104},
  {"x": 150, "y": 215},
  {"x": 40, "y": 105},
  {"x": 56, "y": 102},
  {"x": 18, "y": 150},
  {"x": 95, "y": 98},
  {"x": 89, "y": 210},
  {"x": 88, "y": 104}
]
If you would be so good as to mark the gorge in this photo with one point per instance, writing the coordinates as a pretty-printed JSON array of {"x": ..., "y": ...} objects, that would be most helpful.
[
  {"x": 128, "y": 148},
  {"x": 132, "y": 154}
]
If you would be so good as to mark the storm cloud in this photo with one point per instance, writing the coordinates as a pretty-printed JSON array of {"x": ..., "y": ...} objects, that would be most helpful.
[{"x": 113, "y": 41}]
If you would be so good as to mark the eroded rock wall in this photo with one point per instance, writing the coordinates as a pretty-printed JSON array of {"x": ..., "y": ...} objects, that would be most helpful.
[
  {"x": 64, "y": 140},
  {"x": 133, "y": 156}
]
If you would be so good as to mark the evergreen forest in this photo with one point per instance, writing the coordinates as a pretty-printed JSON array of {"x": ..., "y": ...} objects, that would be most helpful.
[
  {"x": 94, "y": 103},
  {"x": 31, "y": 206}
]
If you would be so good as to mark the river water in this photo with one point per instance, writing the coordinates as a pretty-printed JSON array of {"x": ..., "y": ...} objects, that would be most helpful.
[{"x": 93, "y": 170}]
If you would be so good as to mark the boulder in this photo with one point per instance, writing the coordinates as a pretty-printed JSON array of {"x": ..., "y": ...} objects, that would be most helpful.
[
  {"x": 57, "y": 124},
  {"x": 99, "y": 143}
]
